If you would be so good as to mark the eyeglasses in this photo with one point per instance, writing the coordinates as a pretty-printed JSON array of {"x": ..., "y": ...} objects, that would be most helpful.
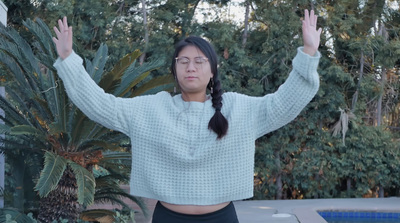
[{"x": 183, "y": 62}]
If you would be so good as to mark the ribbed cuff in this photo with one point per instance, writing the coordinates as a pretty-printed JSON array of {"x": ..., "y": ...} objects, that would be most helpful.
[
  {"x": 305, "y": 64},
  {"x": 67, "y": 68}
]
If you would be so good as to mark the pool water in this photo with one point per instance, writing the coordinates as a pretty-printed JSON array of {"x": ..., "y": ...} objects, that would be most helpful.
[{"x": 359, "y": 217}]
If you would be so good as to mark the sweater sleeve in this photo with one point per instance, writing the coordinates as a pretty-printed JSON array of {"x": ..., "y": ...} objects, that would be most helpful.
[
  {"x": 277, "y": 109},
  {"x": 103, "y": 108}
]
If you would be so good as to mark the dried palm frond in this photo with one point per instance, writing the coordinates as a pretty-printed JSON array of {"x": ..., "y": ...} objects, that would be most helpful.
[{"x": 342, "y": 125}]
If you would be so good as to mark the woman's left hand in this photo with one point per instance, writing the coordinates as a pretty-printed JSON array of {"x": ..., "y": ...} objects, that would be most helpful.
[
  {"x": 311, "y": 36},
  {"x": 63, "y": 40}
]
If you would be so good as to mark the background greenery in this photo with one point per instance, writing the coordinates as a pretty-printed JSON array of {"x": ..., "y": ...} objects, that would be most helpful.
[{"x": 345, "y": 143}]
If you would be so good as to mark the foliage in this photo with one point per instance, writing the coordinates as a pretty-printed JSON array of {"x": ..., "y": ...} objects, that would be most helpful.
[
  {"x": 12, "y": 216},
  {"x": 40, "y": 120},
  {"x": 359, "y": 72},
  {"x": 313, "y": 163}
]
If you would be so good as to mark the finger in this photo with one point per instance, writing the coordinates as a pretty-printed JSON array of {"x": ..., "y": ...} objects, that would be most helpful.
[
  {"x": 55, "y": 40},
  {"x": 56, "y": 31},
  {"x": 306, "y": 16},
  {"x": 65, "y": 23},
  {"x": 319, "y": 31},
  {"x": 312, "y": 17},
  {"x": 60, "y": 25}
]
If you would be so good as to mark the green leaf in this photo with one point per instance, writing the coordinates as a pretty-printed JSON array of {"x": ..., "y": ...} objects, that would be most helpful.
[
  {"x": 111, "y": 80},
  {"x": 98, "y": 214},
  {"x": 134, "y": 75},
  {"x": 119, "y": 69},
  {"x": 133, "y": 80},
  {"x": 86, "y": 183},
  {"x": 95, "y": 68},
  {"x": 96, "y": 143},
  {"x": 54, "y": 167},
  {"x": 11, "y": 215},
  {"x": 56, "y": 128},
  {"x": 116, "y": 155},
  {"x": 155, "y": 82},
  {"x": 4, "y": 129},
  {"x": 24, "y": 130}
]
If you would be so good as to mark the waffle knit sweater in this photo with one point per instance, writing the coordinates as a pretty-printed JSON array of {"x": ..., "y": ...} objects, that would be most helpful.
[{"x": 175, "y": 157}]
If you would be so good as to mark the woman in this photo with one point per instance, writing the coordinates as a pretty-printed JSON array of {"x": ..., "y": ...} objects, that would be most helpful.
[{"x": 193, "y": 152}]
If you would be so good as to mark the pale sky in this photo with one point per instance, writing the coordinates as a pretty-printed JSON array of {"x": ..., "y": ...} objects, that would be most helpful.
[{"x": 233, "y": 11}]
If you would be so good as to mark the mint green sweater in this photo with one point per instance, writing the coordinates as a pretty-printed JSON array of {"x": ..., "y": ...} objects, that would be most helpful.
[{"x": 175, "y": 157}]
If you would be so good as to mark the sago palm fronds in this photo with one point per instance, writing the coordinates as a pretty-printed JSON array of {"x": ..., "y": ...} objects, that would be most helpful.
[{"x": 40, "y": 118}]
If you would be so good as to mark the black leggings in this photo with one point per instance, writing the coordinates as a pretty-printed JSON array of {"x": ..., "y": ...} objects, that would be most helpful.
[{"x": 225, "y": 215}]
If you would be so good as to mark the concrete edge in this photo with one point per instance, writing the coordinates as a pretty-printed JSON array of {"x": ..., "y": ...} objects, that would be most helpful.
[{"x": 310, "y": 215}]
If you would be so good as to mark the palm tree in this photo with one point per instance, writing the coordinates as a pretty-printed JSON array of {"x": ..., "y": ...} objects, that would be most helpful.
[{"x": 40, "y": 119}]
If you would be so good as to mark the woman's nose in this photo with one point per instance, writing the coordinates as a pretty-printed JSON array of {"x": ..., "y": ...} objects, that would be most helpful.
[{"x": 191, "y": 66}]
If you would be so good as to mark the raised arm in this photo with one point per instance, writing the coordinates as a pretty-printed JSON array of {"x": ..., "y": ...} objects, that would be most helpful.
[
  {"x": 105, "y": 109},
  {"x": 275, "y": 110}
]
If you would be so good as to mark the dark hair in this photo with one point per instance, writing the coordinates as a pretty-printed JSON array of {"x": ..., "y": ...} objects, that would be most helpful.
[{"x": 218, "y": 122}]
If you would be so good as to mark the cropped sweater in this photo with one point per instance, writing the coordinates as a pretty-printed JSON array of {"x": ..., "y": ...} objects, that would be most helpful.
[{"x": 175, "y": 157}]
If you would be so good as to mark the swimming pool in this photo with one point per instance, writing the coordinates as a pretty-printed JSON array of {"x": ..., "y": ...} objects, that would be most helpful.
[{"x": 360, "y": 217}]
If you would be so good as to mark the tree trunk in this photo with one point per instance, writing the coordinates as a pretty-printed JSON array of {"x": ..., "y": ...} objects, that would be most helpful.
[
  {"x": 380, "y": 100},
  {"x": 19, "y": 173},
  {"x": 317, "y": 179},
  {"x": 348, "y": 184},
  {"x": 278, "y": 176},
  {"x": 379, "y": 107},
  {"x": 246, "y": 23},
  {"x": 188, "y": 16},
  {"x": 379, "y": 116},
  {"x": 381, "y": 191},
  {"x": 61, "y": 202},
  {"x": 362, "y": 62},
  {"x": 355, "y": 96},
  {"x": 146, "y": 32}
]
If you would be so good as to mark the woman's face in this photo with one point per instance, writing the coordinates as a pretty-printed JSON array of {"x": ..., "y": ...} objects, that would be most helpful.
[{"x": 193, "y": 71}]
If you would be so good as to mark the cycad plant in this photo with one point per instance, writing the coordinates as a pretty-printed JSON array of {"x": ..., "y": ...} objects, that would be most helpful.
[{"x": 40, "y": 119}]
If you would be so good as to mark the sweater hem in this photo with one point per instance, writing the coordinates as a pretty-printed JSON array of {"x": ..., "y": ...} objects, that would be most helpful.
[{"x": 195, "y": 201}]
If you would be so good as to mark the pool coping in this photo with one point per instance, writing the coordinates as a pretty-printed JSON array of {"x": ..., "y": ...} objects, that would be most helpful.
[
  {"x": 311, "y": 215},
  {"x": 305, "y": 210}
]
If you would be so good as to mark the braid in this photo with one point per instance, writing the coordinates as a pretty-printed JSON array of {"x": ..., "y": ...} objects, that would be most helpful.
[{"x": 218, "y": 122}]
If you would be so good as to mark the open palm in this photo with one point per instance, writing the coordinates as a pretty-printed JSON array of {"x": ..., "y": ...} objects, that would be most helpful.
[
  {"x": 63, "y": 40},
  {"x": 311, "y": 36}
]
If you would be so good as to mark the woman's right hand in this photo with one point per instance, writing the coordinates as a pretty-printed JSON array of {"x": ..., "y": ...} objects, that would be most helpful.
[{"x": 63, "y": 40}]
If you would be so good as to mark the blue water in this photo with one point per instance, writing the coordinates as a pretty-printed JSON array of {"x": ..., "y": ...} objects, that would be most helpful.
[{"x": 359, "y": 217}]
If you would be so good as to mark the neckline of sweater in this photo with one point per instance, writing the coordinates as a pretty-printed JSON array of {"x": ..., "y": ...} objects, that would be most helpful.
[{"x": 192, "y": 104}]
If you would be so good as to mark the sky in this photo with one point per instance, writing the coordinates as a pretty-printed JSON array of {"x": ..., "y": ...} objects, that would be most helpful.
[{"x": 233, "y": 11}]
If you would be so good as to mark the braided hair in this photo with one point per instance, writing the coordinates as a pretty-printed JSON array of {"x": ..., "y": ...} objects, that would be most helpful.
[{"x": 218, "y": 122}]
